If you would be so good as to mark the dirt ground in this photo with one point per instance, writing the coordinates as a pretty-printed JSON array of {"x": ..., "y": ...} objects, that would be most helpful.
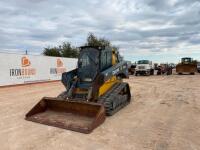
[{"x": 164, "y": 115}]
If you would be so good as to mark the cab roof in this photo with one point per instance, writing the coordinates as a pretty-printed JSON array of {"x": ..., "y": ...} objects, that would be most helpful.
[{"x": 95, "y": 47}]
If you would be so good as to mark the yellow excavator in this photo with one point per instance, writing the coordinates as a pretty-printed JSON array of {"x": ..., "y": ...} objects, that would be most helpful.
[{"x": 93, "y": 90}]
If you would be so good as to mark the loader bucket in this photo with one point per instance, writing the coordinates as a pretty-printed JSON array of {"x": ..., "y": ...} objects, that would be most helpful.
[
  {"x": 190, "y": 68},
  {"x": 72, "y": 115}
]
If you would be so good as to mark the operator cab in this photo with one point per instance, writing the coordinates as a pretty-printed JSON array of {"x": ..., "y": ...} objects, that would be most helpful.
[
  {"x": 186, "y": 60},
  {"x": 92, "y": 61},
  {"x": 88, "y": 63}
]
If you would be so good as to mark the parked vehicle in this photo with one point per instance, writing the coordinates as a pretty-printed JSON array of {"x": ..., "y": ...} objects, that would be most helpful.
[
  {"x": 131, "y": 69},
  {"x": 93, "y": 90},
  {"x": 144, "y": 67},
  {"x": 164, "y": 69},
  {"x": 187, "y": 65},
  {"x": 198, "y": 67}
]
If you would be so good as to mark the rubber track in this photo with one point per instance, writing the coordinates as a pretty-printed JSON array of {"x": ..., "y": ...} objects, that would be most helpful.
[{"x": 113, "y": 101}]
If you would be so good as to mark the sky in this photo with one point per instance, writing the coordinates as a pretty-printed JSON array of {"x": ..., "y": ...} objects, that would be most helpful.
[{"x": 158, "y": 30}]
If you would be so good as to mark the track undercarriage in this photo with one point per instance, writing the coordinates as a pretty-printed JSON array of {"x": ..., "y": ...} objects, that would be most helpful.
[
  {"x": 113, "y": 100},
  {"x": 116, "y": 98}
]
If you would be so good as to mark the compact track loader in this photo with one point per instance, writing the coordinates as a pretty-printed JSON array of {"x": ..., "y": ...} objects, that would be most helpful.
[{"x": 93, "y": 90}]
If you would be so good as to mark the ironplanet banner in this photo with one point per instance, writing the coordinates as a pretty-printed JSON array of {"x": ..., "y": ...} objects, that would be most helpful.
[{"x": 22, "y": 69}]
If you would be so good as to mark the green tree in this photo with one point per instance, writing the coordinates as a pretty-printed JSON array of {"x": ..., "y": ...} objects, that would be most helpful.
[
  {"x": 64, "y": 50},
  {"x": 67, "y": 50},
  {"x": 52, "y": 52},
  {"x": 93, "y": 40}
]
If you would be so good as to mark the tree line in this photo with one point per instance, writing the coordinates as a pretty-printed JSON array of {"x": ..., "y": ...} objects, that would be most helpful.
[{"x": 68, "y": 50}]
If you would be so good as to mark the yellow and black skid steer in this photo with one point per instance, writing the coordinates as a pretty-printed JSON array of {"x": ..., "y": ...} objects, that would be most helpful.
[{"x": 93, "y": 90}]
